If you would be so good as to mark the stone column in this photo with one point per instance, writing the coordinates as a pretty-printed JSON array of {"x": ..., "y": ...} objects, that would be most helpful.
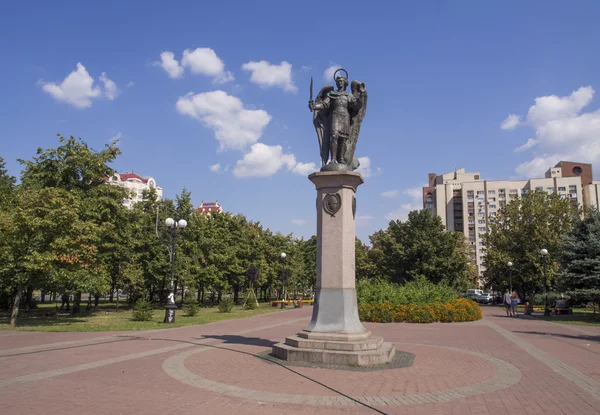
[
  {"x": 336, "y": 310},
  {"x": 335, "y": 334}
]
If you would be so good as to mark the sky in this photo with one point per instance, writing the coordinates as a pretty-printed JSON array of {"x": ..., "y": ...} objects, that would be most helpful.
[{"x": 212, "y": 96}]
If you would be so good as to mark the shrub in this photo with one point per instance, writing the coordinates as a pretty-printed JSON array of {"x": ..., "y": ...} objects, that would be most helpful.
[
  {"x": 190, "y": 305},
  {"x": 250, "y": 303},
  {"x": 143, "y": 311},
  {"x": 226, "y": 305},
  {"x": 419, "y": 291},
  {"x": 191, "y": 309},
  {"x": 458, "y": 309}
]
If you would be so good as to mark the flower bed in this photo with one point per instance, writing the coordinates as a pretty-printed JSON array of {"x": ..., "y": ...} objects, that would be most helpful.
[{"x": 458, "y": 309}]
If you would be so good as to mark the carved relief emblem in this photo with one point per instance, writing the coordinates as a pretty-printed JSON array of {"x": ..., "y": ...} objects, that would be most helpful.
[
  {"x": 354, "y": 207},
  {"x": 332, "y": 203}
]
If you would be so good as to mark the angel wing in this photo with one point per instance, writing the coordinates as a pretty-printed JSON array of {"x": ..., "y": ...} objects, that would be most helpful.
[
  {"x": 322, "y": 122},
  {"x": 357, "y": 114}
]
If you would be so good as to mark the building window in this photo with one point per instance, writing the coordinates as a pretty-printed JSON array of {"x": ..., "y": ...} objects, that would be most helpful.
[
  {"x": 577, "y": 170},
  {"x": 491, "y": 199},
  {"x": 481, "y": 222},
  {"x": 476, "y": 177},
  {"x": 492, "y": 213},
  {"x": 491, "y": 192},
  {"x": 563, "y": 196},
  {"x": 514, "y": 191},
  {"x": 539, "y": 189},
  {"x": 481, "y": 229},
  {"x": 480, "y": 192},
  {"x": 550, "y": 189},
  {"x": 492, "y": 206},
  {"x": 572, "y": 187},
  {"x": 471, "y": 221}
]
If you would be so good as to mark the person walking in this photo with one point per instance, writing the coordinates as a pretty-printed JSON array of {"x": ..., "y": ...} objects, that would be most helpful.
[
  {"x": 514, "y": 303},
  {"x": 508, "y": 303}
]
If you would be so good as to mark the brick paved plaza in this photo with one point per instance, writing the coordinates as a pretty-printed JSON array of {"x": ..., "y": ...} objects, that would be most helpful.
[{"x": 497, "y": 365}]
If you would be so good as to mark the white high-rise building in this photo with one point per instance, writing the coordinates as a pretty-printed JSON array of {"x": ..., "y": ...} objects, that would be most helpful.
[
  {"x": 136, "y": 184},
  {"x": 465, "y": 203}
]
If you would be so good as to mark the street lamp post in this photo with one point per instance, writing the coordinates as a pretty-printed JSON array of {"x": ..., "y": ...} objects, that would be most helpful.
[
  {"x": 174, "y": 228},
  {"x": 510, "y": 264},
  {"x": 283, "y": 256},
  {"x": 544, "y": 253}
]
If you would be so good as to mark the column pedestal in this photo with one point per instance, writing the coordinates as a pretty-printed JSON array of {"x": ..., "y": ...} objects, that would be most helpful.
[{"x": 335, "y": 334}]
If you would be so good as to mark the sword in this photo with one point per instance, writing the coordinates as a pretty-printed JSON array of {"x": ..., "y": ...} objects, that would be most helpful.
[{"x": 311, "y": 89}]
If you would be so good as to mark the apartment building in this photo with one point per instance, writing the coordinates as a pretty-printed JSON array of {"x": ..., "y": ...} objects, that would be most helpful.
[
  {"x": 206, "y": 208},
  {"x": 136, "y": 184},
  {"x": 465, "y": 203}
]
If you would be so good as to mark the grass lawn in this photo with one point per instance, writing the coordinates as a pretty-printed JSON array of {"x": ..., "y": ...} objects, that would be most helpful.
[
  {"x": 106, "y": 318},
  {"x": 580, "y": 316}
]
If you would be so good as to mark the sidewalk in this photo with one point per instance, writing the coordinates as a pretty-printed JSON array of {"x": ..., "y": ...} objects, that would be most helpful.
[{"x": 496, "y": 365}]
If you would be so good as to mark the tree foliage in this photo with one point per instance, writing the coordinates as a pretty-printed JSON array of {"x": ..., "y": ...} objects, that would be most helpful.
[
  {"x": 518, "y": 233},
  {"x": 580, "y": 274},
  {"x": 419, "y": 246}
]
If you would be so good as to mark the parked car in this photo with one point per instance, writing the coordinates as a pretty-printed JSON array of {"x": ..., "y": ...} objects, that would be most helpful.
[{"x": 485, "y": 298}]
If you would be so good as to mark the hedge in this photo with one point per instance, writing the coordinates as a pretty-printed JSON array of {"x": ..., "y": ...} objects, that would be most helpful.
[{"x": 455, "y": 310}]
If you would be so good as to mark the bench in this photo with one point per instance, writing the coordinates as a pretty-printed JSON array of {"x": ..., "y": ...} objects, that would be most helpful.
[{"x": 277, "y": 303}]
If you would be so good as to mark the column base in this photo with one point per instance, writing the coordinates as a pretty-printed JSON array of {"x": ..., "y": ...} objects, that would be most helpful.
[
  {"x": 170, "y": 313},
  {"x": 330, "y": 348}
]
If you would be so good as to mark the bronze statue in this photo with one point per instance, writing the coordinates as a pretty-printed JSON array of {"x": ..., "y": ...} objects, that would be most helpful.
[{"x": 337, "y": 116}]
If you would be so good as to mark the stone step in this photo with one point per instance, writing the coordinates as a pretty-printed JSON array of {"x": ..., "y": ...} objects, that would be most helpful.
[
  {"x": 372, "y": 343},
  {"x": 384, "y": 354}
]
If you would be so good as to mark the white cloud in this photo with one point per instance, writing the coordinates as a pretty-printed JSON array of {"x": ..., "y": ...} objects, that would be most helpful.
[
  {"x": 415, "y": 193},
  {"x": 117, "y": 137},
  {"x": 530, "y": 143},
  {"x": 110, "y": 88},
  {"x": 511, "y": 122},
  {"x": 390, "y": 194},
  {"x": 402, "y": 212},
  {"x": 306, "y": 68},
  {"x": 363, "y": 220},
  {"x": 130, "y": 84},
  {"x": 562, "y": 132},
  {"x": 216, "y": 168},
  {"x": 416, "y": 203},
  {"x": 205, "y": 61},
  {"x": 76, "y": 89},
  {"x": 304, "y": 169},
  {"x": 170, "y": 64},
  {"x": 268, "y": 75},
  {"x": 235, "y": 127},
  {"x": 328, "y": 74},
  {"x": 365, "y": 166},
  {"x": 298, "y": 222},
  {"x": 263, "y": 161}
]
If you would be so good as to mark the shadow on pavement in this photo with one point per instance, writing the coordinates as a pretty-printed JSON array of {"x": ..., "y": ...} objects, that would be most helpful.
[
  {"x": 568, "y": 336},
  {"x": 233, "y": 339}
]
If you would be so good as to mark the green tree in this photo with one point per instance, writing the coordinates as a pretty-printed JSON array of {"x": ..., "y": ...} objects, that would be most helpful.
[
  {"x": 580, "y": 274},
  {"x": 7, "y": 187},
  {"x": 517, "y": 234},
  {"x": 421, "y": 246},
  {"x": 49, "y": 244}
]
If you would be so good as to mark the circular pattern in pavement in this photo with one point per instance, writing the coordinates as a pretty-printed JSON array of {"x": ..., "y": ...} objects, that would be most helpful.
[{"x": 439, "y": 374}]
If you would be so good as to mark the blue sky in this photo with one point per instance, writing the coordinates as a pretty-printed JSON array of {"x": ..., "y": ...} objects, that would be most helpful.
[{"x": 451, "y": 84}]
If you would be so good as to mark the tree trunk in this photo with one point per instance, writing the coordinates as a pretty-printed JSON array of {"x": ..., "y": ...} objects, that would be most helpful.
[
  {"x": 16, "y": 304},
  {"x": 202, "y": 299},
  {"x": 76, "y": 302},
  {"x": 182, "y": 294},
  {"x": 220, "y": 295},
  {"x": 236, "y": 293},
  {"x": 43, "y": 297},
  {"x": 96, "y": 300},
  {"x": 28, "y": 298},
  {"x": 112, "y": 291}
]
